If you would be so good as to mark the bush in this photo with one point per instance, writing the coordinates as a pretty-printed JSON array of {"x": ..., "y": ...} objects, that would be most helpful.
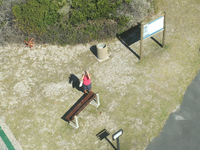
[
  {"x": 123, "y": 20},
  {"x": 83, "y": 10},
  {"x": 77, "y": 21},
  {"x": 35, "y": 16}
]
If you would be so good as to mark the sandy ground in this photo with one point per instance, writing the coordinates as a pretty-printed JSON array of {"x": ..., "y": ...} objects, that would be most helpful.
[
  {"x": 35, "y": 90},
  {"x": 35, "y": 86},
  {"x": 31, "y": 77}
]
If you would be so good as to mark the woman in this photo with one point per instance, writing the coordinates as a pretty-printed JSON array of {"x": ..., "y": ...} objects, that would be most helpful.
[{"x": 86, "y": 77}]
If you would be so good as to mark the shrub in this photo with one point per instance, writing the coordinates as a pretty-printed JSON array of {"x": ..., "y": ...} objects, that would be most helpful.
[
  {"x": 123, "y": 20},
  {"x": 83, "y": 10},
  {"x": 77, "y": 21},
  {"x": 34, "y": 16}
]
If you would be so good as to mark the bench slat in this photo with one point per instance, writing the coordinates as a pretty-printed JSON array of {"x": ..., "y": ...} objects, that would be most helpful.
[{"x": 82, "y": 104}]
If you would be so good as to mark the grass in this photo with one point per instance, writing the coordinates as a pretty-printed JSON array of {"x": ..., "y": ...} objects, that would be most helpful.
[{"x": 137, "y": 96}]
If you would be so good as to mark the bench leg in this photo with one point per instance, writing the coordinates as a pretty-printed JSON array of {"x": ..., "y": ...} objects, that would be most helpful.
[
  {"x": 74, "y": 124},
  {"x": 96, "y": 102}
]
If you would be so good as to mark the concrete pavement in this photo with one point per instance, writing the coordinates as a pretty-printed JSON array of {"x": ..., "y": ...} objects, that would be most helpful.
[{"x": 182, "y": 128}]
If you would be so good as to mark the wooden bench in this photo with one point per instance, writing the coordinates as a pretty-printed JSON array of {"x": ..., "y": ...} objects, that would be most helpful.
[{"x": 79, "y": 106}]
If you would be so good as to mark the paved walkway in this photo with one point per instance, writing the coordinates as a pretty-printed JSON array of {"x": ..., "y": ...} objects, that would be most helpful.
[
  {"x": 182, "y": 128},
  {"x": 7, "y": 139},
  {"x": 4, "y": 141}
]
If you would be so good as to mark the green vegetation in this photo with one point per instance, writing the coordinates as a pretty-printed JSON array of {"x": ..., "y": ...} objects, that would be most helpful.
[
  {"x": 2, "y": 24},
  {"x": 83, "y": 10},
  {"x": 35, "y": 15},
  {"x": 77, "y": 21}
]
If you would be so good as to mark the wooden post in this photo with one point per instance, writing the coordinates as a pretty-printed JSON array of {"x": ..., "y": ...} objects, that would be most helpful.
[
  {"x": 141, "y": 41},
  {"x": 164, "y": 31}
]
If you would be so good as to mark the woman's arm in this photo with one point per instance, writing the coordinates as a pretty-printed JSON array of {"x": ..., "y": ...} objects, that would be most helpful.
[
  {"x": 89, "y": 75},
  {"x": 82, "y": 76}
]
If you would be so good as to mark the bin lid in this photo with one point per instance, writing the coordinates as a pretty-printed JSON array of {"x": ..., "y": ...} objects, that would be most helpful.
[{"x": 101, "y": 45}]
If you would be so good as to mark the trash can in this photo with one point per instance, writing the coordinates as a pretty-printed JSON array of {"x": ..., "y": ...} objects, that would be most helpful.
[{"x": 102, "y": 52}]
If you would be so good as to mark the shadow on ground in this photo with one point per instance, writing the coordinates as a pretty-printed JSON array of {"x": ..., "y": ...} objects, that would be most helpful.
[
  {"x": 93, "y": 49},
  {"x": 157, "y": 42},
  {"x": 75, "y": 82},
  {"x": 130, "y": 37}
]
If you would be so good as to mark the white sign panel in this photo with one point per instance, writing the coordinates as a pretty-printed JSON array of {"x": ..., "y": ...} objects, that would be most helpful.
[
  {"x": 117, "y": 134},
  {"x": 153, "y": 27}
]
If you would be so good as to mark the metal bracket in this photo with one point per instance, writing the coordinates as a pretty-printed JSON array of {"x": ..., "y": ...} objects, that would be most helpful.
[
  {"x": 96, "y": 102},
  {"x": 74, "y": 124}
]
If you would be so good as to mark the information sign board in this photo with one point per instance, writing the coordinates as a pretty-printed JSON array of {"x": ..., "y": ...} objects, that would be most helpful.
[{"x": 153, "y": 27}]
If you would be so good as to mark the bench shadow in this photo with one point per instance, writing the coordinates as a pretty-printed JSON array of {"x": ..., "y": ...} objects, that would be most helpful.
[
  {"x": 93, "y": 49},
  {"x": 130, "y": 37},
  {"x": 80, "y": 99},
  {"x": 74, "y": 80}
]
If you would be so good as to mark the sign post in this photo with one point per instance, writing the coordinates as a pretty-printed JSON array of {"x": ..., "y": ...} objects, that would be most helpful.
[
  {"x": 151, "y": 29},
  {"x": 164, "y": 31},
  {"x": 116, "y": 136},
  {"x": 141, "y": 42}
]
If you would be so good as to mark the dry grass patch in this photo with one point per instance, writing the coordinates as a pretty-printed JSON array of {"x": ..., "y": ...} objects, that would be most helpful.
[{"x": 136, "y": 96}]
